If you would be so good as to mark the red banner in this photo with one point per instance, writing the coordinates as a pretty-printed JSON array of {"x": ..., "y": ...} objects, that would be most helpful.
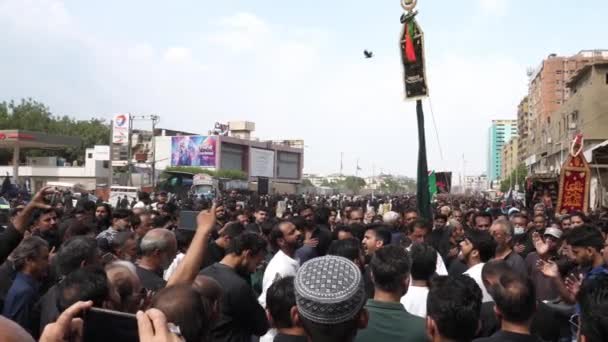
[{"x": 574, "y": 185}]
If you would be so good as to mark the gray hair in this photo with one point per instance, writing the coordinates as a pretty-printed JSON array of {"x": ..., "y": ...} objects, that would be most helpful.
[
  {"x": 122, "y": 264},
  {"x": 28, "y": 249},
  {"x": 156, "y": 239},
  {"x": 506, "y": 225}
]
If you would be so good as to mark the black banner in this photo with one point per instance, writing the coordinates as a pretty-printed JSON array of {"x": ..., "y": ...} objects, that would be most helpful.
[{"x": 412, "y": 55}]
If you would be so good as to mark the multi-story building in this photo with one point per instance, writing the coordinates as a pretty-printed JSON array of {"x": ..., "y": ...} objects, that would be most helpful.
[
  {"x": 523, "y": 129},
  {"x": 548, "y": 91},
  {"x": 475, "y": 183},
  {"x": 510, "y": 157},
  {"x": 500, "y": 132},
  {"x": 585, "y": 112}
]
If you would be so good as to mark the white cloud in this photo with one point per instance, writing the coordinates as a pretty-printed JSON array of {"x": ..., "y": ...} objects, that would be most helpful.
[
  {"x": 294, "y": 83},
  {"x": 240, "y": 32},
  {"x": 44, "y": 16},
  {"x": 495, "y": 7}
]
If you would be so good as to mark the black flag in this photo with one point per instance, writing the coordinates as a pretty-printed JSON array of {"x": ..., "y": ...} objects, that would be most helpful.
[{"x": 423, "y": 198}]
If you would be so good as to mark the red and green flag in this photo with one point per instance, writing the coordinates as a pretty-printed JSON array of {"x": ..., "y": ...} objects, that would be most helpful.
[{"x": 410, "y": 31}]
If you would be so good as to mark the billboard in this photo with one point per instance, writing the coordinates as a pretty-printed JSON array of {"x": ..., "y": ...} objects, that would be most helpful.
[
  {"x": 120, "y": 129},
  {"x": 196, "y": 150},
  {"x": 261, "y": 163}
]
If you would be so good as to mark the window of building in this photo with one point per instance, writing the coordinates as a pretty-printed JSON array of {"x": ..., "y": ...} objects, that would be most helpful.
[{"x": 607, "y": 78}]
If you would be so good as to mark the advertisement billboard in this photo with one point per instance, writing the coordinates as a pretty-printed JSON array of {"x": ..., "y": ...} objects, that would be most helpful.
[
  {"x": 194, "y": 150},
  {"x": 120, "y": 129},
  {"x": 261, "y": 163}
]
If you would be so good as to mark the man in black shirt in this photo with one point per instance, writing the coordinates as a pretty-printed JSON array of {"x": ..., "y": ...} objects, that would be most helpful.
[
  {"x": 515, "y": 300},
  {"x": 217, "y": 248},
  {"x": 158, "y": 249},
  {"x": 241, "y": 314},
  {"x": 261, "y": 215}
]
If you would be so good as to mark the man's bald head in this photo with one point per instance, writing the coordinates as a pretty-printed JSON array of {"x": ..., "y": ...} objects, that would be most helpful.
[
  {"x": 13, "y": 332},
  {"x": 211, "y": 291},
  {"x": 208, "y": 288},
  {"x": 125, "y": 285},
  {"x": 186, "y": 308}
]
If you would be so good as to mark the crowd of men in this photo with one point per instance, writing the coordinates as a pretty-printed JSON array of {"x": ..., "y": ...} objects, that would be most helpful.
[{"x": 304, "y": 269}]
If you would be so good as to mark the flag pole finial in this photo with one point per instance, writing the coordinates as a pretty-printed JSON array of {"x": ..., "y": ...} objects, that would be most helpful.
[{"x": 409, "y": 5}]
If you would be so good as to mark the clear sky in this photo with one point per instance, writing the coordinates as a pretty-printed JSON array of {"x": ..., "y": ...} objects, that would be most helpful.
[{"x": 295, "y": 68}]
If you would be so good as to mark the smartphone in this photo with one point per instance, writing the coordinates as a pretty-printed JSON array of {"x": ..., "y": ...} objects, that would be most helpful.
[{"x": 102, "y": 325}]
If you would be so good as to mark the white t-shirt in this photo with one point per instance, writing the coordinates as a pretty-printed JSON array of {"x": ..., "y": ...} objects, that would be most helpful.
[
  {"x": 280, "y": 266},
  {"x": 173, "y": 267},
  {"x": 440, "y": 268},
  {"x": 414, "y": 300},
  {"x": 475, "y": 273}
]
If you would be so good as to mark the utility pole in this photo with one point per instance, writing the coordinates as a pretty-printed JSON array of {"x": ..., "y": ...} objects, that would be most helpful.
[
  {"x": 155, "y": 119},
  {"x": 129, "y": 152},
  {"x": 111, "y": 176}
]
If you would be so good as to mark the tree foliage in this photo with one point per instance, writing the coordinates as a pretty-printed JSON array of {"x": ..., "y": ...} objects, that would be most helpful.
[
  {"x": 518, "y": 176},
  {"x": 392, "y": 185},
  {"x": 307, "y": 182},
  {"x": 32, "y": 115}
]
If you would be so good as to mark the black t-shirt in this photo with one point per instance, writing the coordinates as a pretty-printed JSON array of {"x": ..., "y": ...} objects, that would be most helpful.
[
  {"x": 213, "y": 254},
  {"x": 489, "y": 323},
  {"x": 49, "y": 312},
  {"x": 150, "y": 280},
  {"x": 505, "y": 336},
  {"x": 241, "y": 315},
  {"x": 289, "y": 338},
  {"x": 457, "y": 267}
]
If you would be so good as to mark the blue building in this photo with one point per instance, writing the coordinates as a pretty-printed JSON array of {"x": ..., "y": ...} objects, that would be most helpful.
[{"x": 500, "y": 132}]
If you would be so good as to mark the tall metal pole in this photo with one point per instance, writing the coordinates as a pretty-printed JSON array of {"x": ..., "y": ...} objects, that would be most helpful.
[
  {"x": 154, "y": 119},
  {"x": 129, "y": 152},
  {"x": 111, "y": 175}
]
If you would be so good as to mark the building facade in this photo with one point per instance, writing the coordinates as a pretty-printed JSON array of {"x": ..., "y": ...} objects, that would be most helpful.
[
  {"x": 509, "y": 157},
  {"x": 475, "y": 183},
  {"x": 585, "y": 112},
  {"x": 500, "y": 132},
  {"x": 549, "y": 90},
  {"x": 523, "y": 129}
]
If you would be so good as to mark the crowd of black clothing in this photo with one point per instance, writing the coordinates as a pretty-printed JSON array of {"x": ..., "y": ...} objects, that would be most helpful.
[{"x": 83, "y": 244}]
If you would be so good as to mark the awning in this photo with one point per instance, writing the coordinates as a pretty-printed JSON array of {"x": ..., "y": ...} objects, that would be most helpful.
[
  {"x": 589, "y": 152},
  {"x": 28, "y": 139}
]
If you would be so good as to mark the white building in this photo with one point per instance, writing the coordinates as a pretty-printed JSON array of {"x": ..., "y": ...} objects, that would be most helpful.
[{"x": 476, "y": 183}]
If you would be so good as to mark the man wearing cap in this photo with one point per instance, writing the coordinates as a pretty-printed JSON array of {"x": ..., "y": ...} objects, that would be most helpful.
[
  {"x": 393, "y": 220},
  {"x": 388, "y": 319},
  {"x": 547, "y": 250},
  {"x": 330, "y": 299}
]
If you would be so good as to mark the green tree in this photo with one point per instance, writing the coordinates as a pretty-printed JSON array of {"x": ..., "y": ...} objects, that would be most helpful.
[
  {"x": 353, "y": 183},
  {"x": 518, "y": 176},
  {"x": 307, "y": 183},
  {"x": 32, "y": 115}
]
